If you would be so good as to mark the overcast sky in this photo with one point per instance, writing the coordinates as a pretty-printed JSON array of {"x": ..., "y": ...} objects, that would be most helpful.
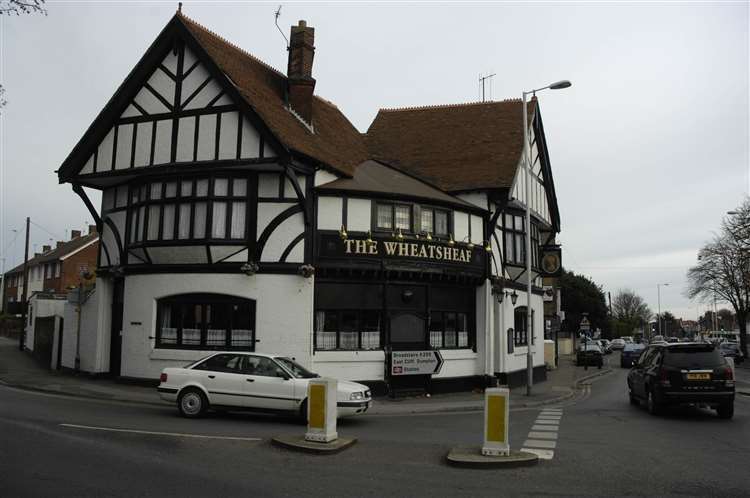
[{"x": 649, "y": 147}]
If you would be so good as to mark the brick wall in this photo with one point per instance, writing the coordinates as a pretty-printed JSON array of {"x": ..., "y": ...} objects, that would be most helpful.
[{"x": 71, "y": 266}]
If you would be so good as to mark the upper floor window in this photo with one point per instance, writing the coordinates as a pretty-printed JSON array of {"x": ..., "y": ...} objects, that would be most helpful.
[
  {"x": 434, "y": 221},
  {"x": 189, "y": 209},
  {"x": 515, "y": 240},
  {"x": 205, "y": 321},
  {"x": 394, "y": 217}
]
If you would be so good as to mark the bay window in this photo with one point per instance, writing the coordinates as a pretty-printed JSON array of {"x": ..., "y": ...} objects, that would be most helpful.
[
  {"x": 189, "y": 209},
  {"x": 205, "y": 321}
]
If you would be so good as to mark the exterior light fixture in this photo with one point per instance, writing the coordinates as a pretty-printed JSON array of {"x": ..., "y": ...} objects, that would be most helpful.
[
  {"x": 469, "y": 243},
  {"x": 429, "y": 236},
  {"x": 250, "y": 268},
  {"x": 306, "y": 271},
  {"x": 451, "y": 242},
  {"x": 487, "y": 246},
  {"x": 342, "y": 233},
  {"x": 400, "y": 235},
  {"x": 369, "y": 237},
  {"x": 499, "y": 296},
  {"x": 513, "y": 298}
]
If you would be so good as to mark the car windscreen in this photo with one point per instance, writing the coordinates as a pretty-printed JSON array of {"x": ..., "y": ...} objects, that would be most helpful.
[
  {"x": 592, "y": 347},
  {"x": 633, "y": 348},
  {"x": 190, "y": 365},
  {"x": 693, "y": 358},
  {"x": 297, "y": 370}
]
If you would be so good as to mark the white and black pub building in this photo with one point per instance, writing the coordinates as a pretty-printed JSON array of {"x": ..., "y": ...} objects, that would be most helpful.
[{"x": 241, "y": 211}]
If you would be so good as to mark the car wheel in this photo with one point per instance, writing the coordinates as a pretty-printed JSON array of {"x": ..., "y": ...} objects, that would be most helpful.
[
  {"x": 632, "y": 398},
  {"x": 192, "y": 403},
  {"x": 653, "y": 406},
  {"x": 725, "y": 410}
]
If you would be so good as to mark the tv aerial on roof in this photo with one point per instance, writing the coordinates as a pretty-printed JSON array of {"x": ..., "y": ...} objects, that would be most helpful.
[{"x": 276, "y": 16}]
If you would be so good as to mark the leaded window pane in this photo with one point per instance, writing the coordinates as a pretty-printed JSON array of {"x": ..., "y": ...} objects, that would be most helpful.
[
  {"x": 186, "y": 188},
  {"x": 168, "y": 222},
  {"x": 441, "y": 223},
  {"x": 403, "y": 217},
  {"x": 156, "y": 190},
  {"x": 141, "y": 217},
  {"x": 201, "y": 188},
  {"x": 122, "y": 197},
  {"x": 153, "y": 222},
  {"x": 184, "y": 230},
  {"x": 238, "y": 220},
  {"x": 426, "y": 220},
  {"x": 221, "y": 187},
  {"x": 239, "y": 187},
  {"x": 436, "y": 329},
  {"x": 385, "y": 216},
  {"x": 171, "y": 189},
  {"x": 199, "y": 221},
  {"x": 219, "y": 220}
]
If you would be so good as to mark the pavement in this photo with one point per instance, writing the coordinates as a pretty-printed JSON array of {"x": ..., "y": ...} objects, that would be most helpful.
[{"x": 20, "y": 370}]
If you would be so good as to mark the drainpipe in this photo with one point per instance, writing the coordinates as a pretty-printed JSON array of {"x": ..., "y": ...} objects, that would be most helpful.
[{"x": 78, "y": 327}]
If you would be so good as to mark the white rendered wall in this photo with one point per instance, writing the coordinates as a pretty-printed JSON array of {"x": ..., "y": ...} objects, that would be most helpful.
[
  {"x": 329, "y": 213},
  {"x": 511, "y": 362},
  {"x": 322, "y": 177},
  {"x": 40, "y": 308},
  {"x": 358, "y": 214},
  {"x": 479, "y": 199},
  {"x": 283, "y": 316}
]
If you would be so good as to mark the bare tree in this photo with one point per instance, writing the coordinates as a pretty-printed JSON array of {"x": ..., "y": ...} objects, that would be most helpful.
[
  {"x": 629, "y": 311},
  {"x": 18, "y": 7},
  {"x": 723, "y": 268}
]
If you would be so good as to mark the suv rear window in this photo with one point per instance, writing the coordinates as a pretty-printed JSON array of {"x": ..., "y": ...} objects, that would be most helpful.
[{"x": 693, "y": 358}]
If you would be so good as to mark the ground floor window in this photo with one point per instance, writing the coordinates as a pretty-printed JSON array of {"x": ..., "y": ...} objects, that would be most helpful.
[
  {"x": 449, "y": 329},
  {"x": 206, "y": 321},
  {"x": 521, "y": 332},
  {"x": 347, "y": 330}
]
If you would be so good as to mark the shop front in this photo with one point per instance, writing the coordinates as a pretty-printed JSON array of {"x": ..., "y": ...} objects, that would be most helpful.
[{"x": 377, "y": 295}]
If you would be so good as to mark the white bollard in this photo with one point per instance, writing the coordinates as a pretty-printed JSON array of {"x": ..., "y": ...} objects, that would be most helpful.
[
  {"x": 321, "y": 410},
  {"x": 496, "y": 403}
]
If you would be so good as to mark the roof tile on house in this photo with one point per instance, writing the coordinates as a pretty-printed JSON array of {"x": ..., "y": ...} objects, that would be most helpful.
[
  {"x": 334, "y": 141},
  {"x": 456, "y": 147},
  {"x": 58, "y": 252}
]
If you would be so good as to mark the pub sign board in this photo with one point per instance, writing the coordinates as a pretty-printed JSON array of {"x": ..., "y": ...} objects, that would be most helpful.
[
  {"x": 416, "y": 362},
  {"x": 416, "y": 252}
]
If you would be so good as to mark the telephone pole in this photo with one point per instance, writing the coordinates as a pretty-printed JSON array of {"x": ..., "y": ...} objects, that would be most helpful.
[{"x": 24, "y": 305}]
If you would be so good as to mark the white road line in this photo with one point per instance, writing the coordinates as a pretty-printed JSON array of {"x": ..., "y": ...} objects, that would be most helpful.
[
  {"x": 152, "y": 433},
  {"x": 554, "y": 417},
  {"x": 546, "y": 422},
  {"x": 538, "y": 443},
  {"x": 542, "y": 435},
  {"x": 543, "y": 454},
  {"x": 552, "y": 428},
  {"x": 552, "y": 410}
]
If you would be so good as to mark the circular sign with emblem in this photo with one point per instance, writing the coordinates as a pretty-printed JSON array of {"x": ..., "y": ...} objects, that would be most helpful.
[{"x": 551, "y": 262}]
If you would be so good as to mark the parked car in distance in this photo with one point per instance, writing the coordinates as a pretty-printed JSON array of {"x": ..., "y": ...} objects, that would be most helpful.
[
  {"x": 630, "y": 354},
  {"x": 604, "y": 344},
  {"x": 732, "y": 349},
  {"x": 672, "y": 340},
  {"x": 682, "y": 373},
  {"x": 627, "y": 338},
  {"x": 657, "y": 338},
  {"x": 617, "y": 344},
  {"x": 590, "y": 354},
  {"x": 255, "y": 381}
]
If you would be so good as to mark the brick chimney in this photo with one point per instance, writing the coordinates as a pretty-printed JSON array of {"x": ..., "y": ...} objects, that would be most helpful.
[
  {"x": 92, "y": 229},
  {"x": 74, "y": 234},
  {"x": 46, "y": 249},
  {"x": 299, "y": 70},
  {"x": 59, "y": 243}
]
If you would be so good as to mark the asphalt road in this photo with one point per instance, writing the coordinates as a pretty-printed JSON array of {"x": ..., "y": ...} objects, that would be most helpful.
[{"x": 604, "y": 447}]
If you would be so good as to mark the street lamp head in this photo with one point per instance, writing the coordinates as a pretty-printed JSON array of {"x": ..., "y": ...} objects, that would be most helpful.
[
  {"x": 559, "y": 85},
  {"x": 733, "y": 213}
]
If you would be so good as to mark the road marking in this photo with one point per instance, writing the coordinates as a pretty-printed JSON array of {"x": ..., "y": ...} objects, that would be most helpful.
[
  {"x": 542, "y": 435},
  {"x": 538, "y": 443},
  {"x": 552, "y": 428},
  {"x": 543, "y": 454},
  {"x": 551, "y": 417},
  {"x": 152, "y": 433},
  {"x": 547, "y": 422}
]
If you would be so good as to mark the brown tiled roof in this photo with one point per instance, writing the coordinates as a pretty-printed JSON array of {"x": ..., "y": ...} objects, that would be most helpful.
[
  {"x": 455, "y": 147},
  {"x": 58, "y": 252},
  {"x": 335, "y": 141}
]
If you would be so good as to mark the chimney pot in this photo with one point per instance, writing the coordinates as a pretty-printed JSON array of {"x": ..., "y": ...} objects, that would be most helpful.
[
  {"x": 46, "y": 249},
  {"x": 74, "y": 234},
  {"x": 59, "y": 243},
  {"x": 92, "y": 229},
  {"x": 302, "y": 23}
]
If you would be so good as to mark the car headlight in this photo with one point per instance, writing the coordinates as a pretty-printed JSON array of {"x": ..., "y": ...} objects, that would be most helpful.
[
  {"x": 357, "y": 396},
  {"x": 368, "y": 394}
]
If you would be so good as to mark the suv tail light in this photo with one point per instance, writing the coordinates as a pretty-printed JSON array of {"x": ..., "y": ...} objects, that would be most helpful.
[
  {"x": 664, "y": 377},
  {"x": 163, "y": 377},
  {"x": 728, "y": 377}
]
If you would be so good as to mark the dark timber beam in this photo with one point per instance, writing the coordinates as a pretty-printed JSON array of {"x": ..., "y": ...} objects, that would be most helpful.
[{"x": 85, "y": 198}]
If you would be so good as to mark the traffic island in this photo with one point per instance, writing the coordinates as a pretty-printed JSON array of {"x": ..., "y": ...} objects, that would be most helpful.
[
  {"x": 472, "y": 457},
  {"x": 299, "y": 443}
]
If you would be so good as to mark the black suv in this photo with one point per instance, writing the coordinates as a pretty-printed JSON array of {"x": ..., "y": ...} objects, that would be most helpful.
[{"x": 680, "y": 374}]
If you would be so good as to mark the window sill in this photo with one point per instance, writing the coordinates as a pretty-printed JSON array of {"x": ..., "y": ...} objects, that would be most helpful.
[
  {"x": 188, "y": 354},
  {"x": 341, "y": 355}
]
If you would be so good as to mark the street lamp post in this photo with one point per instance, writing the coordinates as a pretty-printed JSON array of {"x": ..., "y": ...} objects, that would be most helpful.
[
  {"x": 658, "y": 295},
  {"x": 527, "y": 166}
]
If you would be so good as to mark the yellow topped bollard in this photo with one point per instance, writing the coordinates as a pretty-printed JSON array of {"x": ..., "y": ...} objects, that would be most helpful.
[
  {"x": 321, "y": 410},
  {"x": 496, "y": 403}
]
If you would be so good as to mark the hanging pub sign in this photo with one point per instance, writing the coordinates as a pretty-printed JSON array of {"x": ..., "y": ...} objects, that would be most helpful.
[
  {"x": 362, "y": 252},
  {"x": 551, "y": 261}
]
